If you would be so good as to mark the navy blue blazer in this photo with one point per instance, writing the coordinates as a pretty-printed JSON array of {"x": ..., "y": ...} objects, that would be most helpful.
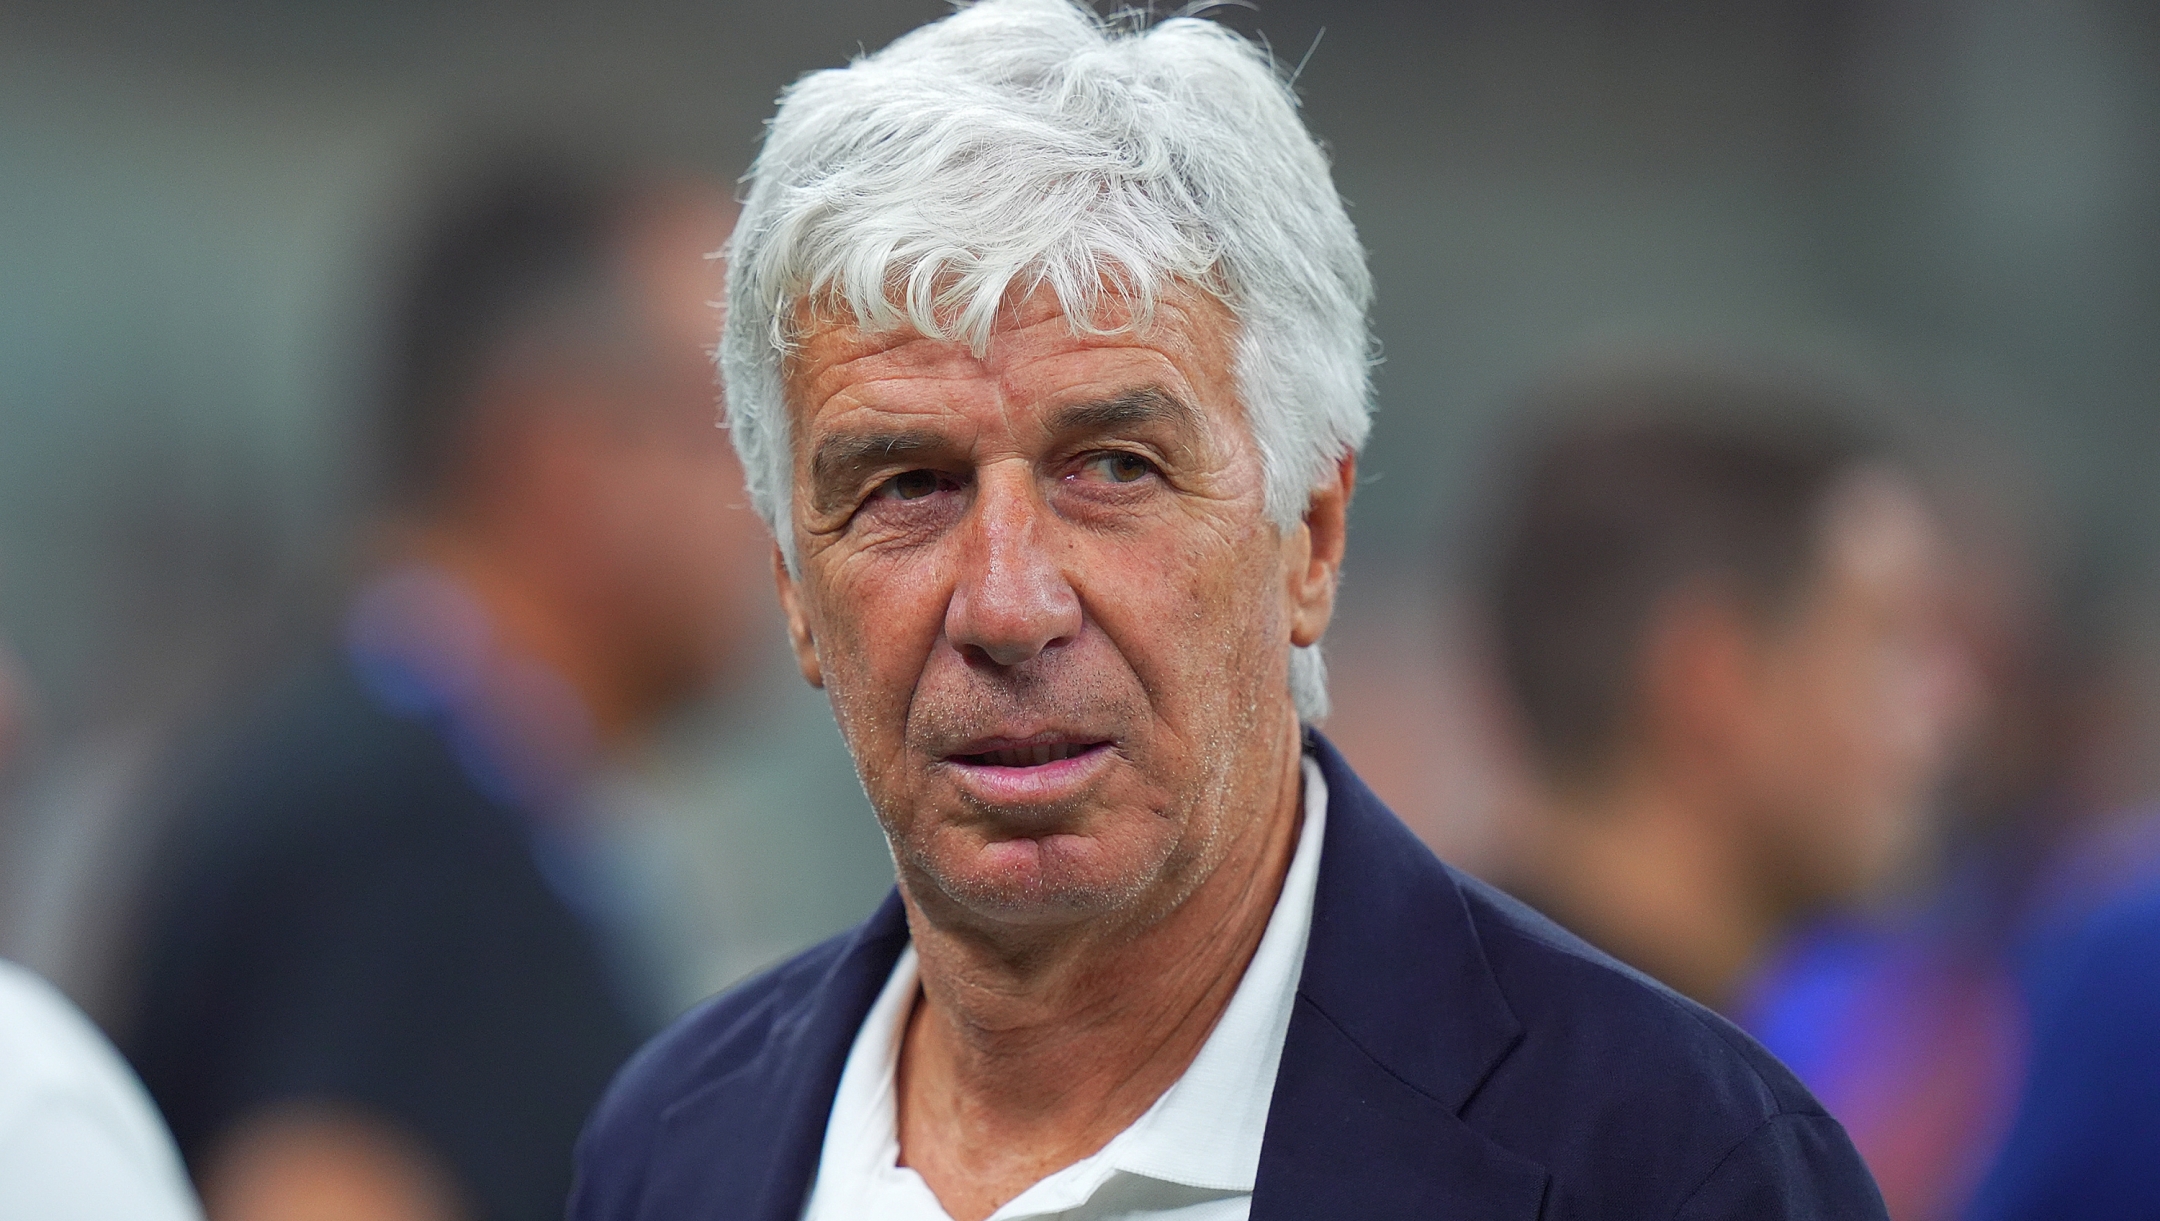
[{"x": 1452, "y": 1055}]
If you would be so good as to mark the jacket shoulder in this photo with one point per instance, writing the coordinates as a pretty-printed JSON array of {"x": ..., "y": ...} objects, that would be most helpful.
[
  {"x": 1624, "y": 1088},
  {"x": 1554, "y": 979}
]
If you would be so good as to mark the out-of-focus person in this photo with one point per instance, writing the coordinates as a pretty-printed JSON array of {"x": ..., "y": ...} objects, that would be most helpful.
[
  {"x": 1717, "y": 610},
  {"x": 379, "y": 974},
  {"x": 2082, "y": 1140},
  {"x": 79, "y": 1138},
  {"x": 1907, "y": 1017}
]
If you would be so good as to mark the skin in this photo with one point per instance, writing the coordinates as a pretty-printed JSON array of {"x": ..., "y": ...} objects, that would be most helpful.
[
  {"x": 1058, "y": 543},
  {"x": 313, "y": 1163},
  {"x": 1779, "y": 764},
  {"x": 598, "y": 517}
]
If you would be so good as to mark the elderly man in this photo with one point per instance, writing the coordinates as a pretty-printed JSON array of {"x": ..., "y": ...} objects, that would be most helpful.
[
  {"x": 1047, "y": 360},
  {"x": 1721, "y": 615}
]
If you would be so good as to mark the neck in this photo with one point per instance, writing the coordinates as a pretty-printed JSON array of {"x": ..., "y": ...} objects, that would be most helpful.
[
  {"x": 531, "y": 618},
  {"x": 1022, "y": 1058},
  {"x": 1651, "y": 873}
]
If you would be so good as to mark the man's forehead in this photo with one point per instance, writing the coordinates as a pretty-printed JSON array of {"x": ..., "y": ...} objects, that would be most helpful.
[{"x": 1038, "y": 361}]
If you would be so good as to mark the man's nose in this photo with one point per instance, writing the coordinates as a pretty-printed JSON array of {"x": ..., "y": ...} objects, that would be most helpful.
[{"x": 1011, "y": 600}]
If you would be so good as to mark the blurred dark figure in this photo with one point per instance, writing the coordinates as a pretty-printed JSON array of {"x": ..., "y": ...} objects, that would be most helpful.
[
  {"x": 1907, "y": 1019},
  {"x": 2012, "y": 993},
  {"x": 1716, "y": 609},
  {"x": 2082, "y": 1133},
  {"x": 2086, "y": 1130},
  {"x": 379, "y": 978}
]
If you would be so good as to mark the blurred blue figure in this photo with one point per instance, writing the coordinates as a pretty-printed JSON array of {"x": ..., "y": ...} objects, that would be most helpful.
[
  {"x": 1940, "y": 1030},
  {"x": 1911, "y": 1030},
  {"x": 2085, "y": 1143},
  {"x": 1994, "y": 1052}
]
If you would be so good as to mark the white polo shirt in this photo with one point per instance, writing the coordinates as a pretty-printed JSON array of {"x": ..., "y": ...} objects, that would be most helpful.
[{"x": 1192, "y": 1157}]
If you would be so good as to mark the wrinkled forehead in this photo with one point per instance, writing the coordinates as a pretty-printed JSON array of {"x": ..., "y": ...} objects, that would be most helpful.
[{"x": 1182, "y": 343}]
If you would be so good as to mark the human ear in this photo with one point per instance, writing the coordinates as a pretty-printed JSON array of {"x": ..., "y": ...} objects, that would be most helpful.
[
  {"x": 1316, "y": 554},
  {"x": 798, "y": 625},
  {"x": 1698, "y": 674}
]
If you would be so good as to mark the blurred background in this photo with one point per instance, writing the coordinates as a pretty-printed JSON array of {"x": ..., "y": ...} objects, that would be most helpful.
[{"x": 206, "y": 206}]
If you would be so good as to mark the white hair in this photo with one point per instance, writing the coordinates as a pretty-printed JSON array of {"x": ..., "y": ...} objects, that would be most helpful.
[{"x": 1027, "y": 144}]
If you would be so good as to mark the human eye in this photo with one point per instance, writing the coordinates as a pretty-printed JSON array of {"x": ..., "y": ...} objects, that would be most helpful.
[
  {"x": 915, "y": 485},
  {"x": 1117, "y": 466}
]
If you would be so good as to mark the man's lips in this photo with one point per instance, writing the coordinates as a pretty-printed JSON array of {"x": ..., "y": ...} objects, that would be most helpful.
[
  {"x": 997, "y": 753},
  {"x": 1038, "y": 769}
]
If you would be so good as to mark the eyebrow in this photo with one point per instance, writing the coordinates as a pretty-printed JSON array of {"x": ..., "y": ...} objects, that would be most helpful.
[
  {"x": 1147, "y": 405},
  {"x": 838, "y": 459}
]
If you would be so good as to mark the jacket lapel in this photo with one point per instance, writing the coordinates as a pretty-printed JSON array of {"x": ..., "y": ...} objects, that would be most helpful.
[
  {"x": 1398, "y": 1021},
  {"x": 748, "y": 1143}
]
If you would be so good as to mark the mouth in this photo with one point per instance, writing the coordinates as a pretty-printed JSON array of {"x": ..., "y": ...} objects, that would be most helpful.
[
  {"x": 1038, "y": 771},
  {"x": 1027, "y": 754}
]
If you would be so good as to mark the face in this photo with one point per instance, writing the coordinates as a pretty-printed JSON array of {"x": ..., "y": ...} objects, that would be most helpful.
[
  {"x": 600, "y": 464},
  {"x": 1050, "y": 610},
  {"x": 1858, "y": 693},
  {"x": 673, "y": 532}
]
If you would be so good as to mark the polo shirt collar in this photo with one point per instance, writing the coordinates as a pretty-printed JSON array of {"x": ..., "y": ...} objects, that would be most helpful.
[{"x": 1207, "y": 1128}]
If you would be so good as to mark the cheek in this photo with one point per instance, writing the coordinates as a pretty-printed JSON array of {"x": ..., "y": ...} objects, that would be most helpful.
[
  {"x": 875, "y": 623},
  {"x": 668, "y": 499},
  {"x": 1805, "y": 744},
  {"x": 690, "y": 524},
  {"x": 1868, "y": 743},
  {"x": 1197, "y": 616}
]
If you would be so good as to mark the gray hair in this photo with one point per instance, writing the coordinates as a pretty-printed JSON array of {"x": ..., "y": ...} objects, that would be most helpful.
[{"x": 1026, "y": 144}]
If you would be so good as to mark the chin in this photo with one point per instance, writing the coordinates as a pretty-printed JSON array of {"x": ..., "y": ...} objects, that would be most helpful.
[{"x": 1050, "y": 879}]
